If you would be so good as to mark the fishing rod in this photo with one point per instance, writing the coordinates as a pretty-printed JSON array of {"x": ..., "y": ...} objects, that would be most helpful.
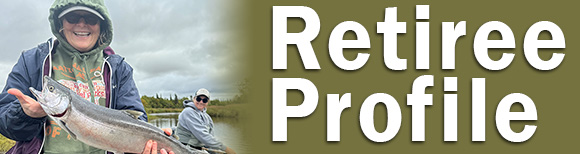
[{"x": 213, "y": 150}]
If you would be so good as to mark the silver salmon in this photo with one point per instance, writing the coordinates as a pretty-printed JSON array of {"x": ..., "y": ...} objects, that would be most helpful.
[{"x": 108, "y": 129}]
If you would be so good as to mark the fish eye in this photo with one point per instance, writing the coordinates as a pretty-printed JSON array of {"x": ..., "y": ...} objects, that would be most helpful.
[{"x": 51, "y": 88}]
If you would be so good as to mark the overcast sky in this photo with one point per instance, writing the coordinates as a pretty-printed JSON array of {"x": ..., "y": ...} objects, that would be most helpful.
[{"x": 174, "y": 47}]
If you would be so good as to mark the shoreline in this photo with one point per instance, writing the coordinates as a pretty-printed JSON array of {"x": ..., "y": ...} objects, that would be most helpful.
[{"x": 227, "y": 111}]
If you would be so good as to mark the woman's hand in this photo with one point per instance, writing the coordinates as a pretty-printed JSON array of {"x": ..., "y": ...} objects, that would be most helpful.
[
  {"x": 151, "y": 146},
  {"x": 33, "y": 109},
  {"x": 230, "y": 151},
  {"x": 29, "y": 105}
]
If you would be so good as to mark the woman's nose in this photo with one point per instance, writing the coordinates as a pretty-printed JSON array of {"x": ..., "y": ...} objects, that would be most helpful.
[{"x": 82, "y": 22}]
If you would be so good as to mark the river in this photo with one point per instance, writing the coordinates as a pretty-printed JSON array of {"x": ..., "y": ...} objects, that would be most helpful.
[{"x": 227, "y": 130}]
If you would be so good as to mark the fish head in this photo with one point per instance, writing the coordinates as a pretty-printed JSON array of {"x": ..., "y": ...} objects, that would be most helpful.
[{"x": 53, "y": 98}]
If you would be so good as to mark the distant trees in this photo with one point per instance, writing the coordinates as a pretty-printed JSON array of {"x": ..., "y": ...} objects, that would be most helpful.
[
  {"x": 159, "y": 102},
  {"x": 176, "y": 102}
]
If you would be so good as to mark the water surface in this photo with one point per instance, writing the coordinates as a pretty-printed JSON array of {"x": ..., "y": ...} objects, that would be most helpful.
[{"x": 227, "y": 130}]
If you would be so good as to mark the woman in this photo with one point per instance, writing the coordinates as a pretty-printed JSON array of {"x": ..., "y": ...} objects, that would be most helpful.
[
  {"x": 79, "y": 58},
  {"x": 195, "y": 126}
]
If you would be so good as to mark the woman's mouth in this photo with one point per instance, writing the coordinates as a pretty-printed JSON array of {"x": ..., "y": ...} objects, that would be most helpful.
[{"x": 82, "y": 33}]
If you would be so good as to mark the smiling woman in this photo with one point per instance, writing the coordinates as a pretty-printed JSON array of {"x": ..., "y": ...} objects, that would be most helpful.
[
  {"x": 81, "y": 29},
  {"x": 169, "y": 34},
  {"x": 79, "y": 57}
]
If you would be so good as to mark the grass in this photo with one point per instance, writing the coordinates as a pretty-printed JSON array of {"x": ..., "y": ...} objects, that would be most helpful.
[
  {"x": 228, "y": 111},
  {"x": 5, "y": 144},
  {"x": 162, "y": 110}
]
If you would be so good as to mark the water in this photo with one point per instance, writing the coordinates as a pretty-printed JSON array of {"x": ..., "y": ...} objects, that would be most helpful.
[
  {"x": 164, "y": 120},
  {"x": 227, "y": 130}
]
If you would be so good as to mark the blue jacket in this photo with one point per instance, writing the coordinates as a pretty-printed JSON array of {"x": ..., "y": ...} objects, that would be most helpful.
[{"x": 32, "y": 65}]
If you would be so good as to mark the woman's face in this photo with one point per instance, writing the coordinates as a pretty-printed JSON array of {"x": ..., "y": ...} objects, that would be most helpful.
[
  {"x": 81, "y": 29},
  {"x": 202, "y": 103}
]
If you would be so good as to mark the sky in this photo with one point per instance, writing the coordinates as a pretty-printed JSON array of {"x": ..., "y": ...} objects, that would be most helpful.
[{"x": 174, "y": 47}]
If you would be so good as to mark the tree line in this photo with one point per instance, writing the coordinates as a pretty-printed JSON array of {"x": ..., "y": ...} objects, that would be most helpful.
[{"x": 176, "y": 102}]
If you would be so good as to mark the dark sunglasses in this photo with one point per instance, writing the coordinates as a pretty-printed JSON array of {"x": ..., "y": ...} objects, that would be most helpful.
[
  {"x": 205, "y": 100},
  {"x": 73, "y": 18}
]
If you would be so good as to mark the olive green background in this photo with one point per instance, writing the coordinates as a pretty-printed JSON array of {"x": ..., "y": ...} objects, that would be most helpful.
[{"x": 553, "y": 92}]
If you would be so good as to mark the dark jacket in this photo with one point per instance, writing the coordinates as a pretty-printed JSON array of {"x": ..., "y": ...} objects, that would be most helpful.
[{"x": 33, "y": 64}]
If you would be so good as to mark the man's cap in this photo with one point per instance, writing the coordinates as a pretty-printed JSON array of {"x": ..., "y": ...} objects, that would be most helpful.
[
  {"x": 202, "y": 91},
  {"x": 81, "y": 8}
]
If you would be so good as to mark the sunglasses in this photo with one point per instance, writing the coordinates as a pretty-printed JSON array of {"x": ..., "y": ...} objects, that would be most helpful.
[
  {"x": 74, "y": 18},
  {"x": 205, "y": 100}
]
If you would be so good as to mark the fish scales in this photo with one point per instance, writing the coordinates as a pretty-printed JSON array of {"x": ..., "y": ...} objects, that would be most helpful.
[{"x": 101, "y": 127}]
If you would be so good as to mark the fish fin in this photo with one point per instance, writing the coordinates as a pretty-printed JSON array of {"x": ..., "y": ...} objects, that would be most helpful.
[
  {"x": 66, "y": 129},
  {"x": 133, "y": 113}
]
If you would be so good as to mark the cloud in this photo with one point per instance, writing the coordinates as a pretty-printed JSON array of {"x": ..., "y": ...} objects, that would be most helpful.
[
  {"x": 175, "y": 47},
  {"x": 24, "y": 24}
]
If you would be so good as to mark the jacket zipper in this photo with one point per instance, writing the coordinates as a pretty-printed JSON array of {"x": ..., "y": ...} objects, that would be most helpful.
[
  {"x": 110, "y": 84},
  {"x": 50, "y": 47},
  {"x": 110, "y": 81}
]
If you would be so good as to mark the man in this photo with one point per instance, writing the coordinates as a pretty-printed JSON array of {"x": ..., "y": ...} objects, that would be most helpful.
[{"x": 195, "y": 126}]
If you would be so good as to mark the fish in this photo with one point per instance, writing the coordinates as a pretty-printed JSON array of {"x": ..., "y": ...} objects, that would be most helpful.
[{"x": 117, "y": 131}]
